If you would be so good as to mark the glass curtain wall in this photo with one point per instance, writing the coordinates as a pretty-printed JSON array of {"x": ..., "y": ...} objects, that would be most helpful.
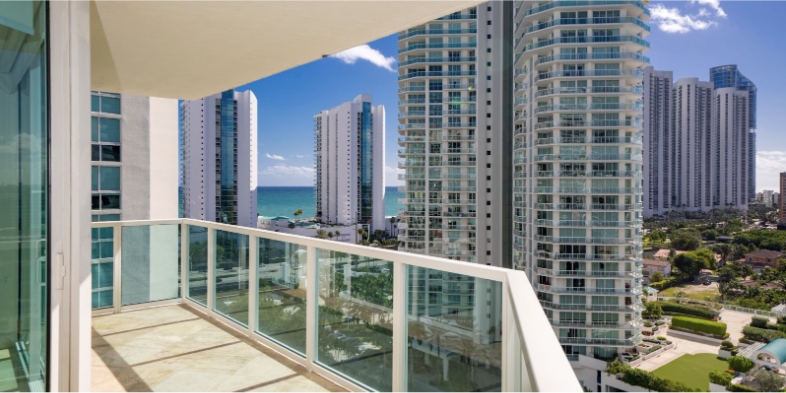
[{"x": 24, "y": 196}]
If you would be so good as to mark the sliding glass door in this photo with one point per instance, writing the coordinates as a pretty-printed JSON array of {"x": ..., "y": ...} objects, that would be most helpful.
[{"x": 23, "y": 196}]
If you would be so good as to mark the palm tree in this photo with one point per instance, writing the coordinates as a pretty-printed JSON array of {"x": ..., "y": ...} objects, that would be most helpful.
[
  {"x": 321, "y": 234},
  {"x": 297, "y": 213},
  {"x": 338, "y": 234},
  {"x": 330, "y": 235}
]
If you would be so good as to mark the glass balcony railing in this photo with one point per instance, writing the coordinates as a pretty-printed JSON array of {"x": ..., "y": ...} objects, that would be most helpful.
[{"x": 353, "y": 314}]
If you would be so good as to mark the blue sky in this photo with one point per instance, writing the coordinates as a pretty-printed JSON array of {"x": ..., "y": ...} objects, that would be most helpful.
[{"x": 688, "y": 38}]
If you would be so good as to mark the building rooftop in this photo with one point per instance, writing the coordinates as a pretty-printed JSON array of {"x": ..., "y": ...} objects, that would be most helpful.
[
  {"x": 776, "y": 347},
  {"x": 656, "y": 262},
  {"x": 764, "y": 254}
]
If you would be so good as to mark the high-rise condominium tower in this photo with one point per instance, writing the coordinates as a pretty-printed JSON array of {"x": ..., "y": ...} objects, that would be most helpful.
[
  {"x": 134, "y": 172},
  {"x": 349, "y": 158},
  {"x": 781, "y": 202},
  {"x": 730, "y": 76},
  {"x": 219, "y": 157},
  {"x": 455, "y": 84},
  {"x": 696, "y": 145},
  {"x": 577, "y": 199}
]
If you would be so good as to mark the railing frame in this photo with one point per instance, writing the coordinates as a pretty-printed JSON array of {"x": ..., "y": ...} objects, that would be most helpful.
[{"x": 530, "y": 362}]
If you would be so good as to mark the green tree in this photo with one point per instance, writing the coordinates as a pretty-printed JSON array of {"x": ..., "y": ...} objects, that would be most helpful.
[
  {"x": 656, "y": 276},
  {"x": 740, "y": 363},
  {"x": 297, "y": 213},
  {"x": 685, "y": 243},
  {"x": 769, "y": 381},
  {"x": 709, "y": 234},
  {"x": 330, "y": 235},
  {"x": 338, "y": 234},
  {"x": 652, "y": 310},
  {"x": 689, "y": 263},
  {"x": 321, "y": 234}
]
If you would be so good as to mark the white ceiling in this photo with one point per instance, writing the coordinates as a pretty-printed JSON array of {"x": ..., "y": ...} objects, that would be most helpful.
[{"x": 191, "y": 49}]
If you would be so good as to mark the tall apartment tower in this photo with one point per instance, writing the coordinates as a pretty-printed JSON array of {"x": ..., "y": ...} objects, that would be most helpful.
[
  {"x": 455, "y": 91},
  {"x": 658, "y": 162},
  {"x": 699, "y": 159},
  {"x": 781, "y": 202},
  {"x": 731, "y": 127},
  {"x": 134, "y": 173},
  {"x": 730, "y": 76},
  {"x": 133, "y": 169},
  {"x": 349, "y": 155},
  {"x": 578, "y": 169},
  {"x": 219, "y": 158}
]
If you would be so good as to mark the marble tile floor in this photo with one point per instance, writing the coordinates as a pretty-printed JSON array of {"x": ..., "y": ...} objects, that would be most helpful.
[{"x": 175, "y": 349}]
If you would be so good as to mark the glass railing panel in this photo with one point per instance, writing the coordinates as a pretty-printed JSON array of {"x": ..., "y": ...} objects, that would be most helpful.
[
  {"x": 282, "y": 293},
  {"x": 231, "y": 276},
  {"x": 454, "y": 332},
  {"x": 355, "y": 317},
  {"x": 102, "y": 265},
  {"x": 150, "y": 268},
  {"x": 196, "y": 287}
]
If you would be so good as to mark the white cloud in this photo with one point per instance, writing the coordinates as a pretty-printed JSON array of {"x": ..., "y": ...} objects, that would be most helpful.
[
  {"x": 769, "y": 164},
  {"x": 274, "y": 157},
  {"x": 365, "y": 52},
  {"x": 287, "y": 171},
  {"x": 299, "y": 156},
  {"x": 391, "y": 176},
  {"x": 672, "y": 20},
  {"x": 714, "y": 4}
]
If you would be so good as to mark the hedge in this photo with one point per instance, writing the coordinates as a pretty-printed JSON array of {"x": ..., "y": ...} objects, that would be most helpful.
[
  {"x": 653, "y": 349},
  {"x": 720, "y": 377},
  {"x": 699, "y": 325},
  {"x": 682, "y": 309},
  {"x": 733, "y": 387},
  {"x": 759, "y": 322},
  {"x": 761, "y": 335},
  {"x": 649, "y": 381}
]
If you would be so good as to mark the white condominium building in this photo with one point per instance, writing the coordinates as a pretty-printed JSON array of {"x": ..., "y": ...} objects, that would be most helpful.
[
  {"x": 455, "y": 84},
  {"x": 349, "y": 159},
  {"x": 134, "y": 176},
  {"x": 578, "y": 169},
  {"x": 695, "y": 147},
  {"x": 134, "y": 173},
  {"x": 219, "y": 158}
]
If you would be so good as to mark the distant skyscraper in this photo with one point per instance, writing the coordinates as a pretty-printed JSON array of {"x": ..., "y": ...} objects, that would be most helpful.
[
  {"x": 730, "y": 76},
  {"x": 219, "y": 158},
  {"x": 696, "y": 145},
  {"x": 455, "y": 92},
  {"x": 781, "y": 199},
  {"x": 349, "y": 146}
]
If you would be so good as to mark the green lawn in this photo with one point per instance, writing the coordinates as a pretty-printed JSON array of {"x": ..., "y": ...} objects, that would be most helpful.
[
  {"x": 692, "y": 370},
  {"x": 698, "y": 294}
]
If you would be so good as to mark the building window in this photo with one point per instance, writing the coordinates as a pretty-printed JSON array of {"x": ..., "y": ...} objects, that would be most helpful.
[
  {"x": 105, "y": 137},
  {"x": 105, "y": 103}
]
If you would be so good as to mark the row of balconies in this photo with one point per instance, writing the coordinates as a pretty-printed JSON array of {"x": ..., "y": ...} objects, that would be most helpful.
[
  {"x": 586, "y": 173},
  {"x": 589, "y": 206},
  {"x": 437, "y": 60},
  {"x": 426, "y": 32},
  {"x": 586, "y": 290},
  {"x": 437, "y": 45},
  {"x": 578, "y": 3}
]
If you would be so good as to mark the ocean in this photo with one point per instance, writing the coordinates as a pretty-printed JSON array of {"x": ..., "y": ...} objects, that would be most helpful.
[{"x": 283, "y": 201}]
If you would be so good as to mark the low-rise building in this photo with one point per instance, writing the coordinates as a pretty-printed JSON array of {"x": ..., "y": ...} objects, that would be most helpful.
[
  {"x": 656, "y": 265},
  {"x": 762, "y": 258}
]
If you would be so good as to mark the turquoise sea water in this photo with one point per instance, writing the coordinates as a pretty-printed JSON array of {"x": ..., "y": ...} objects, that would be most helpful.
[{"x": 283, "y": 201}]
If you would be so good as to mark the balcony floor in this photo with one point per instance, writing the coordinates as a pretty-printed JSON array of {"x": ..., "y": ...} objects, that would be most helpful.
[{"x": 176, "y": 349}]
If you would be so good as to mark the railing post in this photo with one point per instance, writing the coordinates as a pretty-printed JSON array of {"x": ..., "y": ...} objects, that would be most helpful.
[
  {"x": 511, "y": 347},
  {"x": 184, "y": 263},
  {"x": 253, "y": 284},
  {"x": 400, "y": 327},
  {"x": 211, "y": 270},
  {"x": 117, "y": 267},
  {"x": 312, "y": 298}
]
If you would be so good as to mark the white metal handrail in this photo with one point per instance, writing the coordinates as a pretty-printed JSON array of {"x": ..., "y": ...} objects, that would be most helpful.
[{"x": 531, "y": 358}]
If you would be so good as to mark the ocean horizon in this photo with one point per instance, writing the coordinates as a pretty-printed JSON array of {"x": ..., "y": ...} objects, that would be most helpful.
[{"x": 284, "y": 200}]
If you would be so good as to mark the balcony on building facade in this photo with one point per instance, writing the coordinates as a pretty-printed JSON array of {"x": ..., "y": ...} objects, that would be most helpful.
[{"x": 308, "y": 300}]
